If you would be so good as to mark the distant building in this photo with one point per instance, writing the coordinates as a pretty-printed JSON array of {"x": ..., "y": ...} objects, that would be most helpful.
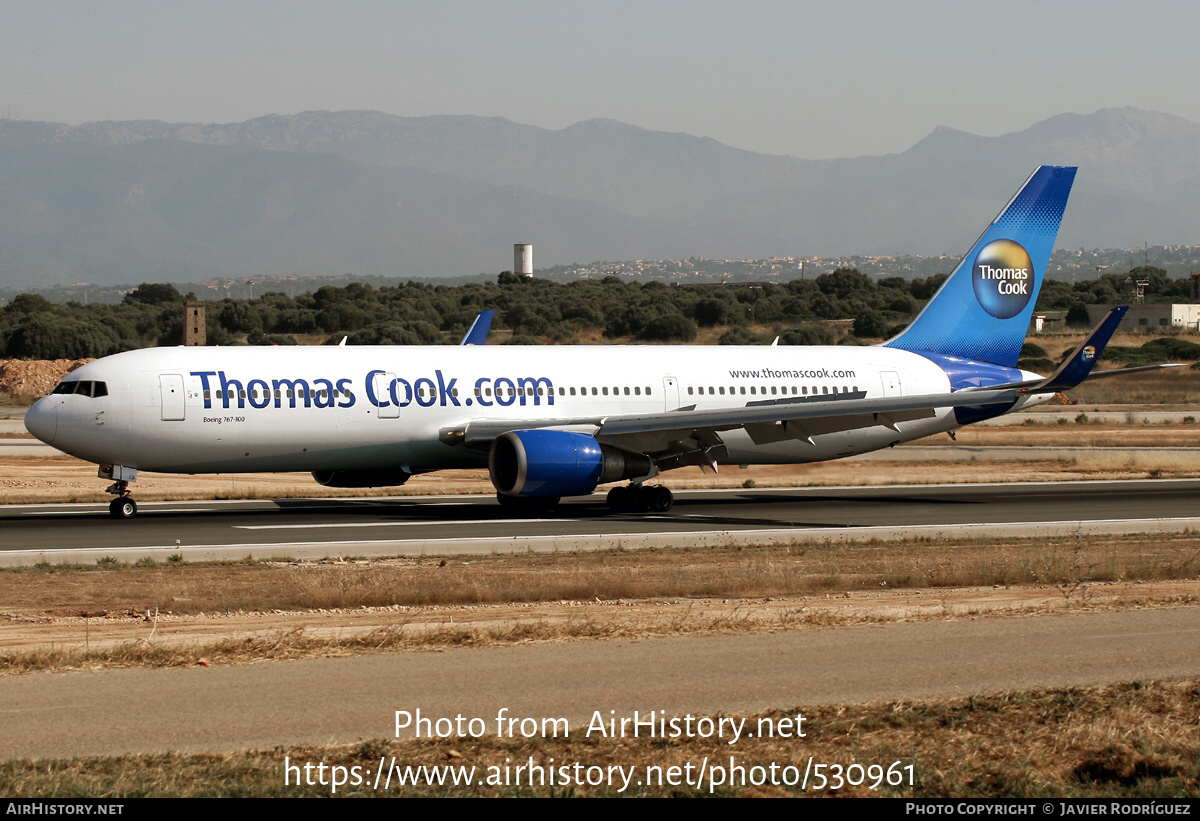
[
  {"x": 194, "y": 332},
  {"x": 1044, "y": 321},
  {"x": 1151, "y": 316}
]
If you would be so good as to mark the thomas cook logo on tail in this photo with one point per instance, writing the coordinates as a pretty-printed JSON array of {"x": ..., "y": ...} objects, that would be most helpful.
[{"x": 1003, "y": 278}]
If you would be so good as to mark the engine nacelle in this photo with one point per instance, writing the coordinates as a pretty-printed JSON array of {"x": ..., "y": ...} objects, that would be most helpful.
[
  {"x": 384, "y": 477},
  {"x": 559, "y": 463}
]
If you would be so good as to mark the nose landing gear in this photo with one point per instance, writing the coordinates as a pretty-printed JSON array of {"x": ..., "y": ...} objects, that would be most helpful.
[{"x": 122, "y": 507}]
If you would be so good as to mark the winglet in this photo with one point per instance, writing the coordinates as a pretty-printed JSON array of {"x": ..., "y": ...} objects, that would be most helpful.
[
  {"x": 477, "y": 333},
  {"x": 1079, "y": 364}
]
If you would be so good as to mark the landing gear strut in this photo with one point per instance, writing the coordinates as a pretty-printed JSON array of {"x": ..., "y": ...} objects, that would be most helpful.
[
  {"x": 639, "y": 498},
  {"x": 122, "y": 507}
]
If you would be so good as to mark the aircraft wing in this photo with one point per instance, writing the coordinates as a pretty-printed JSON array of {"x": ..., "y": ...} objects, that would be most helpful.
[
  {"x": 765, "y": 421},
  {"x": 687, "y": 435}
]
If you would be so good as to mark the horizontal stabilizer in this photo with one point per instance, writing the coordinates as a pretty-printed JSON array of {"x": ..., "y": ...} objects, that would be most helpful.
[
  {"x": 1081, "y": 361},
  {"x": 1078, "y": 366}
]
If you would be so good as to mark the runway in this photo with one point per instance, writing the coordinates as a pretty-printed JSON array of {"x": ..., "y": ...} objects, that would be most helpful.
[{"x": 476, "y": 524}]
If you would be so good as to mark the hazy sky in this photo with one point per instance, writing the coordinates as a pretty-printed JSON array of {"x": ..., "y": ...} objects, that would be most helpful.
[{"x": 811, "y": 79}]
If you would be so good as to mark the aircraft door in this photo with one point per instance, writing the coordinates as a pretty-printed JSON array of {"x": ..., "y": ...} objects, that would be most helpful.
[
  {"x": 382, "y": 389},
  {"x": 670, "y": 393},
  {"x": 891, "y": 383},
  {"x": 174, "y": 408}
]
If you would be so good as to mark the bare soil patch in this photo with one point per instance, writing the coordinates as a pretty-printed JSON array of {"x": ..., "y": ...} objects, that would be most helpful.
[
  {"x": 196, "y": 635},
  {"x": 175, "y": 613},
  {"x": 31, "y": 378}
]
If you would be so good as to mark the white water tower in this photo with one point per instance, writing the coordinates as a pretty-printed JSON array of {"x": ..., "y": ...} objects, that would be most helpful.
[{"x": 523, "y": 259}]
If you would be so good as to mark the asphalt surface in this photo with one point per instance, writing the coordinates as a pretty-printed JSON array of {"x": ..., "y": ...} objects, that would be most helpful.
[
  {"x": 476, "y": 524},
  {"x": 326, "y": 701},
  {"x": 407, "y": 525}
]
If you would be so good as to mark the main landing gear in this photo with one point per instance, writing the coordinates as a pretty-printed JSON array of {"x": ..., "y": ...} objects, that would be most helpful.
[
  {"x": 122, "y": 507},
  {"x": 638, "y": 498}
]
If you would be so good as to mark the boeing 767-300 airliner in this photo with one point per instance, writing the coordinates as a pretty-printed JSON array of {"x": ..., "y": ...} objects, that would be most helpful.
[{"x": 559, "y": 421}]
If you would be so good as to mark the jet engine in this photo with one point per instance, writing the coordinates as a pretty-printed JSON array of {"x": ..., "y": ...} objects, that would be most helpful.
[{"x": 551, "y": 463}]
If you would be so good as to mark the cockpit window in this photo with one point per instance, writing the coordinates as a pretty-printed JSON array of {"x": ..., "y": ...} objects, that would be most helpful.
[{"x": 84, "y": 387}]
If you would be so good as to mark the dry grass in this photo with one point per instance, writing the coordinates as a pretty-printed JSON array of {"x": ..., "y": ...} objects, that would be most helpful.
[
  {"x": 1125, "y": 740},
  {"x": 46, "y": 589},
  {"x": 70, "y": 617},
  {"x": 489, "y": 627},
  {"x": 301, "y": 643},
  {"x": 1173, "y": 386},
  {"x": 1037, "y": 432}
]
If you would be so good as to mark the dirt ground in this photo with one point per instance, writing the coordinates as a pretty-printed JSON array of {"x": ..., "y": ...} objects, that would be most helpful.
[{"x": 28, "y": 628}]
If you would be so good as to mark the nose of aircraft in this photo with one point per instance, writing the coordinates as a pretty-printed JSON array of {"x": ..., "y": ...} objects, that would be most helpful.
[{"x": 42, "y": 419}]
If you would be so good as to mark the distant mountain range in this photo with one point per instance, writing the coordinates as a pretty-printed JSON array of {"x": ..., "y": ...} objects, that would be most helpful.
[{"x": 369, "y": 193}]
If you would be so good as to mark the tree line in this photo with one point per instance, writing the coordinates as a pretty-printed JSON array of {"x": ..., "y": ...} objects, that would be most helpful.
[{"x": 534, "y": 310}]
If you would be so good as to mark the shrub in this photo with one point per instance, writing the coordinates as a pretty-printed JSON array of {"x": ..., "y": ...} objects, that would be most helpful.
[{"x": 669, "y": 328}]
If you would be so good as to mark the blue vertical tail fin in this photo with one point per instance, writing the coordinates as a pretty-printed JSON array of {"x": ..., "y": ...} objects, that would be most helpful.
[{"x": 982, "y": 311}]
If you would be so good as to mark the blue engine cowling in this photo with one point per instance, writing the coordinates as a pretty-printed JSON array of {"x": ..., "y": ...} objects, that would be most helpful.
[{"x": 542, "y": 463}]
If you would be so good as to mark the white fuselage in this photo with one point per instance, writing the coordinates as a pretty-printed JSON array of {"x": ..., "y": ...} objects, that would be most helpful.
[{"x": 210, "y": 410}]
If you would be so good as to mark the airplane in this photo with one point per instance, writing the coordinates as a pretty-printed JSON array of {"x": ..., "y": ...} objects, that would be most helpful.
[{"x": 559, "y": 421}]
